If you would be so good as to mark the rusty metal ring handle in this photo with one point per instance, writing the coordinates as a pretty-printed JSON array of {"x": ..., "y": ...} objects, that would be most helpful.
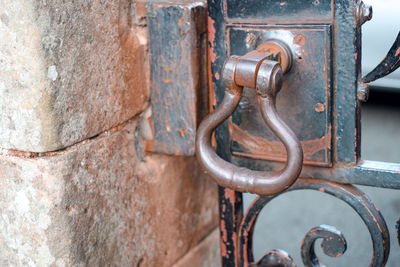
[{"x": 267, "y": 82}]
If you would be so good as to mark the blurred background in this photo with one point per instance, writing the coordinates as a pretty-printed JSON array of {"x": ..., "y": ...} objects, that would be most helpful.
[{"x": 284, "y": 221}]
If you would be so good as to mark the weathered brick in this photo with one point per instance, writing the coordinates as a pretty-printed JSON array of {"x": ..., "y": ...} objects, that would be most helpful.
[
  {"x": 69, "y": 70},
  {"x": 96, "y": 204}
]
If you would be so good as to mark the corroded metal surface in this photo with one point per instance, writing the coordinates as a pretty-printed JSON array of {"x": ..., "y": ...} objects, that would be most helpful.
[
  {"x": 231, "y": 213},
  {"x": 304, "y": 103},
  {"x": 333, "y": 153},
  {"x": 333, "y": 244},
  {"x": 177, "y": 75},
  {"x": 327, "y": 113}
]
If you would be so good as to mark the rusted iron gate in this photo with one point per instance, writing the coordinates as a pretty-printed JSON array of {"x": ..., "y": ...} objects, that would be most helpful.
[
  {"x": 322, "y": 91},
  {"x": 285, "y": 76}
]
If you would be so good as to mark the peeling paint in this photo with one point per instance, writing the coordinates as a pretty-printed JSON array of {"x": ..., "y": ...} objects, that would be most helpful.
[{"x": 211, "y": 38}]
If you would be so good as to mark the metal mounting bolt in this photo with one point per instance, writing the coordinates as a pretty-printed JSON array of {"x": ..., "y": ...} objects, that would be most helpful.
[
  {"x": 363, "y": 92},
  {"x": 364, "y": 13}
]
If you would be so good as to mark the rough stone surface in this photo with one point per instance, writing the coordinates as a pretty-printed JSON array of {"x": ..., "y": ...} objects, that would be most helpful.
[
  {"x": 97, "y": 204},
  {"x": 205, "y": 254},
  {"x": 69, "y": 70}
]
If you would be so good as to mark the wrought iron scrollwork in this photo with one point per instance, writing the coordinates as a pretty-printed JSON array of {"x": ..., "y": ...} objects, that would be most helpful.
[
  {"x": 389, "y": 64},
  {"x": 276, "y": 258},
  {"x": 333, "y": 243}
]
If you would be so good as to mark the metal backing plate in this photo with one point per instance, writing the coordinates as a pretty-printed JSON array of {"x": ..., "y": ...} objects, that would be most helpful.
[
  {"x": 303, "y": 103},
  {"x": 278, "y": 10}
]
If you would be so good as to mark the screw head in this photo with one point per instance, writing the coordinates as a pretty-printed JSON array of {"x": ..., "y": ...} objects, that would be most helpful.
[
  {"x": 363, "y": 92},
  {"x": 364, "y": 13}
]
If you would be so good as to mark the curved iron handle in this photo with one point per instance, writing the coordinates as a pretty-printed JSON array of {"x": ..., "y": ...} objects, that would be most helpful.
[{"x": 268, "y": 83}]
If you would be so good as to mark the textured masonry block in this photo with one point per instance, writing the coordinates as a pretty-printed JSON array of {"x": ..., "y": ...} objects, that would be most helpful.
[
  {"x": 69, "y": 70},
  {"x": 96, "y": 204},
  {"x": 205, "y": 254}
]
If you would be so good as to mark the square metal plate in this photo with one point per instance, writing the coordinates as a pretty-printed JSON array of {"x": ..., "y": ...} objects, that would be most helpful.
[{"x": 303, "y": 103}]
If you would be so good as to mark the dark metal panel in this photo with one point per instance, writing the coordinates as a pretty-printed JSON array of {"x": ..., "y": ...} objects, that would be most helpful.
[
  {"x": 175, "y": 32},
  {"x": 284, "y": 11},
  {"x": 337, "y": 133},
  {"x": 303, "y": 103},
  {"x": 347, "y": 65}
]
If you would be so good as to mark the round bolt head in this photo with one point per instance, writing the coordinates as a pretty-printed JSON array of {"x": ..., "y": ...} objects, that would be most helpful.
[
  {"x": 363, "y": 92},
  {"x": 364, "y": 13}
]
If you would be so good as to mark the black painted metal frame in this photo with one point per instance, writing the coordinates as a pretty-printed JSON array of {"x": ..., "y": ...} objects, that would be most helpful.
[{"x": 347, "y": 168}]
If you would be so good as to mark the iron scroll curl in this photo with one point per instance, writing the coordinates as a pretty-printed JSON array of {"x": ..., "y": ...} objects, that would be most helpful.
[{"x": 333, "y": 244}]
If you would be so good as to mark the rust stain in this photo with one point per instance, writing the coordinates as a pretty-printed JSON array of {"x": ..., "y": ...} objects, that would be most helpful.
[
  {"x": 224, "y": 238},
  {"x": 230, "y": 195},
  {"x": 167, "y": 81},
  {"x": 397, "y": 52},
  {"x": 211, "y": 37},
  {"x": 235, "y": 243},
  {"x": 319, "y": 107},
  {"x": 265, "y": 149},
  {"x": 165, "y": 68},
  {"x": 283, "y": 4},
  {"x": 250, "y": 38},
  {"x": 224, "y": 250},
  {"x": 299, "y": 39},
  {"x": 217, "y": 76},
  {"x": 182, "y": 132}
]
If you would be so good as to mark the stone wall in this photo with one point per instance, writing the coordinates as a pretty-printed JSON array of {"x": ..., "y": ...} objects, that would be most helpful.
[
  {"x": 69, "y": 70},
  {"x": 73, "y": 191}
]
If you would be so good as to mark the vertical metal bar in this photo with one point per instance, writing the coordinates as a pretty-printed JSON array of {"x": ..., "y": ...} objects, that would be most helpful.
[
  {"x": 346, "y": 79},
  {"x": 230, "y": 202},
  {"x": 231, "y": 213}
]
